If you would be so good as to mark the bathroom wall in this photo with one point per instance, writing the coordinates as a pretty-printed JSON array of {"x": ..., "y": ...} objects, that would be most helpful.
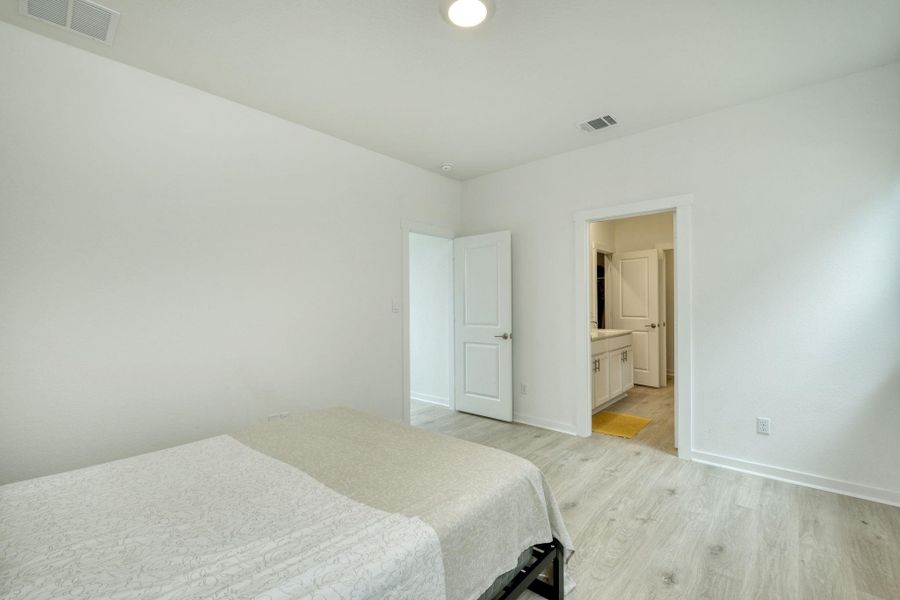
[
  {"x": 603, "y": 233},
  {"x": 644, "y": 232}
]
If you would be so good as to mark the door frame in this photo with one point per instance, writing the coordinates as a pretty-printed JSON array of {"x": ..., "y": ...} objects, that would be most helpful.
[
  {"x": 665, "y": 247},
  {"x": 604, "y": 251},
  {"x": 681, "y": 205},
  {"x": 440, "y": 231}
]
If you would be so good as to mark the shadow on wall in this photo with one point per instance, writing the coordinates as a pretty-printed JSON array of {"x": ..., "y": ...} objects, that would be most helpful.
[{"x": 831, "y": 356}]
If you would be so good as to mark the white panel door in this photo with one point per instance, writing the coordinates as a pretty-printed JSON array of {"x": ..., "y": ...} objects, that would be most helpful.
[
  {"x": 483, "y": 318},
  {"x": 635, "y": 304}
]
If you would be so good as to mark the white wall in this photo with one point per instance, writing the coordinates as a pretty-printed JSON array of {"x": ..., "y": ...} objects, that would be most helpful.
[
  {"x": 795, "y": 273},
  {"x": 430, "y": 311},
  {"x": 174, "y": 265}
]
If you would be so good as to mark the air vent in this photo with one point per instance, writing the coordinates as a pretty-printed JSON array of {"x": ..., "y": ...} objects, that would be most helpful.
[
  {"x": 81, "y": 16},
  {"x": 598, "y": 123}
]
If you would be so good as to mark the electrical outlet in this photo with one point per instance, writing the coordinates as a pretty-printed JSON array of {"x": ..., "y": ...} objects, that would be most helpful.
[
  {"x": 763, "y": 425},
  {"x": 523, "y": 389}
]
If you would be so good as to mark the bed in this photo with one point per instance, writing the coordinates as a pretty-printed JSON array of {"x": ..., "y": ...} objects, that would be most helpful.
[{"x": 331, "y": 504}]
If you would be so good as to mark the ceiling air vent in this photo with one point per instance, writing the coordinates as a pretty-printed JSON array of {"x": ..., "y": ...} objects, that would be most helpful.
[
  {"x": 598, "y": 123},
  {"x": 81, "y": 16}
]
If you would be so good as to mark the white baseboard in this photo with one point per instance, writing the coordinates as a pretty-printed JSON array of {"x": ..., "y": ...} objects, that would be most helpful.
[
  {"x": 430, "y": 399},
  {"x": 544, "y": 423},
  {"x": 799, "y": 478},
  {"x": 609, "y": 403}
]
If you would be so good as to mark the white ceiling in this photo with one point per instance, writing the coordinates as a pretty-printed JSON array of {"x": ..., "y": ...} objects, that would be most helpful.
[{"x": 393, "y": 76}]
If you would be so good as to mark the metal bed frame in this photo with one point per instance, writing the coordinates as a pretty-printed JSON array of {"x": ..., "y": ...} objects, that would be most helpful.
[{"x": 545, "y": 556}]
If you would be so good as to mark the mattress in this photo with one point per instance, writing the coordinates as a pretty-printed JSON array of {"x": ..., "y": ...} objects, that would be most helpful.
[{"x": 332, "y": 504}]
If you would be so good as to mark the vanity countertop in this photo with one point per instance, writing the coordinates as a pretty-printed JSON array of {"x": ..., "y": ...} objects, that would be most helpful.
[{"x": 602, "y": 334}]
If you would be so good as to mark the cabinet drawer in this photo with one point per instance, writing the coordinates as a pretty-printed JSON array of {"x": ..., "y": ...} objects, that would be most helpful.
[{"x": 618, "y": 342}]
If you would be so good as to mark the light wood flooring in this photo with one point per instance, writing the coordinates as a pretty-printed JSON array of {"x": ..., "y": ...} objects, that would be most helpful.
[
  {"x": 658, "y": 404},
  {"x": 648, "y": 525}
]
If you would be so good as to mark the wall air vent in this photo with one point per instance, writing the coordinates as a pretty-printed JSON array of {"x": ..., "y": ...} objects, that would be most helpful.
[
  {"x": 81, "y": 16},
  {"x": 598, "y": 123}
]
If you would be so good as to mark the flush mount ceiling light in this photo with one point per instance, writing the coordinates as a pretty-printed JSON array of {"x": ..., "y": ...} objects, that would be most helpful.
[{"x": 466, "y": 13}]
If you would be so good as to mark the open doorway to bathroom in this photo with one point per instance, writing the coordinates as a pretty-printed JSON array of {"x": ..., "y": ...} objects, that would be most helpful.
[{"x": 632, "y": 325}]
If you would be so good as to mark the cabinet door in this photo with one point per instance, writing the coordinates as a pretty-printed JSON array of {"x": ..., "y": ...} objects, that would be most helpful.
[
  {"x": 600, "y": 379},
  {"x": 615, "y": 372},
  {"x": 600, "y": 390},
  {"x": 627, "y": 370}
]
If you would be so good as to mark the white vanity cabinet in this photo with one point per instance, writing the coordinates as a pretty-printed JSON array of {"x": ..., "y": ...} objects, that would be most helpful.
[
  {"x": 615, "y": 373},
  {"x": 611, "y": 368},
  {"x": 600, "y": 378}
]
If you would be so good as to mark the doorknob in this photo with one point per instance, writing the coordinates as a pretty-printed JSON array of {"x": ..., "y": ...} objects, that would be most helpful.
[
  {"x": 505, "y": 336},
  {"x": 651, "y": 325}
]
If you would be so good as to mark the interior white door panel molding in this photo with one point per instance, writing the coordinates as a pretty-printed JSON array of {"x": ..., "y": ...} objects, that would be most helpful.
[
  {"x": 482, "y": 267},
  {"x": 634, "y": 280}
]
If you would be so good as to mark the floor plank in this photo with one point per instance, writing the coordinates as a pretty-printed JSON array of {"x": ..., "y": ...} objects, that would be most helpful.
[
  {"x": 658, "y": 405},
  {"x": 649, "y": 525}
]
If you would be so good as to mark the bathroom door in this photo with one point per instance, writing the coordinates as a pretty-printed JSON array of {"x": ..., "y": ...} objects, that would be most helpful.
[
  {"x": 635, "y": 306},
  {"x": 482, "y": 266}
]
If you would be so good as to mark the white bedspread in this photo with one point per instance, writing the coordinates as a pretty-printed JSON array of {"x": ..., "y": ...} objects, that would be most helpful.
[
  {"x": 486, "y": 505},
  {"x": 213, "y": 519}
]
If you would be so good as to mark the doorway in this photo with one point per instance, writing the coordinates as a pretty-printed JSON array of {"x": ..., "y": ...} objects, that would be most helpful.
[
  {"x": 633, "y": 396},
  {"x": 457, "y": 322},
  {"x": 640, "y": 261},
  {"x": 430, "y": 320}
]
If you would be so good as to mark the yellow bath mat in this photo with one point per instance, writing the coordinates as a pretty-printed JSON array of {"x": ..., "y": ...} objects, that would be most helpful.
[{"x": 617, "y": 424}]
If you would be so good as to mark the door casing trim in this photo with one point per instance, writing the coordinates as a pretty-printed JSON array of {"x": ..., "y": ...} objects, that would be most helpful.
[{"x": 681, "y": 205}]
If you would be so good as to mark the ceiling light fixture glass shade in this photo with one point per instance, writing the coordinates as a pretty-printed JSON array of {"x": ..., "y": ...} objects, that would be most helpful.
[{"x": 466, "y": 13}]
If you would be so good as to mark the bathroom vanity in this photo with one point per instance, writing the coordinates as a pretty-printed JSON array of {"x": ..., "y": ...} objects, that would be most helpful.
[{"x": 612, "y": 366}]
